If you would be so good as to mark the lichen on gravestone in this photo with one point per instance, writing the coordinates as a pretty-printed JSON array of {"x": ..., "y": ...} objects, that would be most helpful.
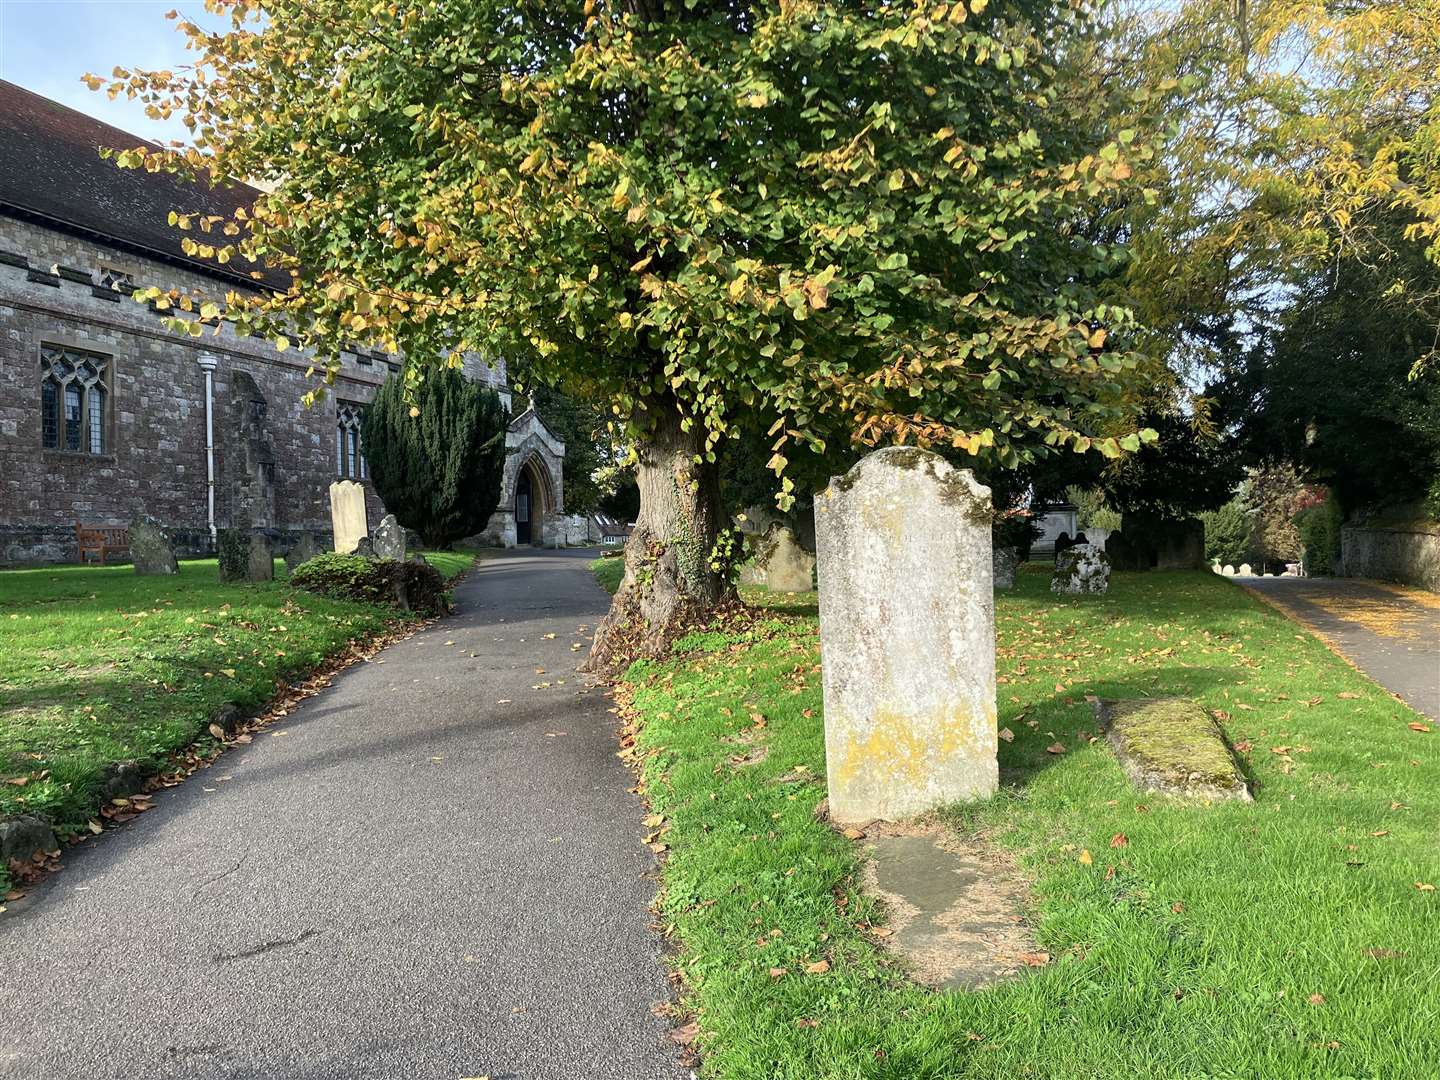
[
  {"x": 1080, "y": 569},
  {"x": 1173, "y": 746},
  {"x": 232, "y": 546},
  {"x": 150, "y": 549}
]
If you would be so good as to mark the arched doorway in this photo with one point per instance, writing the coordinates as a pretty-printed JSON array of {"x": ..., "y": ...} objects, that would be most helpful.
[{"x": 532, "y": 503}]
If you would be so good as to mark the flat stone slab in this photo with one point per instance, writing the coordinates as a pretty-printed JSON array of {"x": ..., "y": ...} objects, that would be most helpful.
[
  {"x": 1173, "y": 746},
  {"x": 957, "y": 917}
]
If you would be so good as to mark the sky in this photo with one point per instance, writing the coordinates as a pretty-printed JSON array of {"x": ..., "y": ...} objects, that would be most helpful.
[{"x": 46, "y": 45}]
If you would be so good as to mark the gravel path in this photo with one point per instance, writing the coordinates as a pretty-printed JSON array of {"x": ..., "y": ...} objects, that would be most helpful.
[{"x": 431, "y": 869}]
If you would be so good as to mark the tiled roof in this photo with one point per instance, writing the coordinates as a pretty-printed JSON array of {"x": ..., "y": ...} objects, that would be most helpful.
[{"x": 51, "y": 169}]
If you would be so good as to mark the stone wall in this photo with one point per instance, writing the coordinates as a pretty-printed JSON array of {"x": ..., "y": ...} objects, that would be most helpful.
[
  {"x": 1407, "y": 552},
  {"x": 274, "y": 458}
]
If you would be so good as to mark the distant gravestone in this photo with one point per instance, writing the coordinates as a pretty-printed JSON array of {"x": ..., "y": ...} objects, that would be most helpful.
[
  {"x": 1228, "y": 570},
  {"x": 302, "y": 549},
  {"x": 389, "y": 539},
  {"x": 364, "y": 547},
  {"x": 1083, "y": 568},
  {"x": 260, "y": 564},
  {"x": 789, "y": 568},
  {"x": 1245, "y": 570},
  {"x": 1126, "y": 553},
  {"x": 1003, "y": 564},
  {"x": 347, "y": 514},
  {"x": 233, "y": 548},
  {"x": 150, "y": 549},
  {"x": 1063, "y": 542},
  {"x": 907, "y": 631}
]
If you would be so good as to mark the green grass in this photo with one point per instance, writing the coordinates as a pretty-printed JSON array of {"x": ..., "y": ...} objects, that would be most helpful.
[
  {"x": 450, "y": 563},
  {"x": 98, "y": 665},
  {"x": 609, "y": 572},
  {"x": 1193, "y": 950}
]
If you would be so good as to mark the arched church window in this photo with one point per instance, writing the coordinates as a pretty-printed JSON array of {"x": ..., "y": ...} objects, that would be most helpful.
[
  {"x": 349, "y": 455},
  {"x": 74, "y": 399}
]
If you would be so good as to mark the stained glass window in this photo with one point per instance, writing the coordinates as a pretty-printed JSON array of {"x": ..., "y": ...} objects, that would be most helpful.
[{"x": 74, "y": 396}]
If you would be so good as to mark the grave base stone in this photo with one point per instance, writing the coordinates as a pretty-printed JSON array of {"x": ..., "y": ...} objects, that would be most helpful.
[
  {"x": 907, "y": 630},
  {"x": 150, "y": 549}
]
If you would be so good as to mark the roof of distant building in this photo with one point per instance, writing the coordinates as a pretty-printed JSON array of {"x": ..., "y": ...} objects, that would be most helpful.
[{"x": 51, "y": 171}]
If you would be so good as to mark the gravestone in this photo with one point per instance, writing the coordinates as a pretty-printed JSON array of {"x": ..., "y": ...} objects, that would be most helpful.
[
  {"x": 389, "y": 539},
  {"x": 364, "y": 547},
  {"x": 1003, "y": 564},
  {"x": 1245, "y": 570},
  {"x": 233, "y": 548},
  {"x": 907, "y": 631},
  {"x": 302, "y": 549},
  {"x": 347, "y": 514},
  {"x": 1125, "y": 553},
  {"x": 150, "y": 549},
  {"x": 1228, "y": 570},
  {"x": 1083, "y": 568},
  {"x": 788, "y": 567},
  {"x": 260, "y": 565},
  {"x": 1063, "y": 542}
]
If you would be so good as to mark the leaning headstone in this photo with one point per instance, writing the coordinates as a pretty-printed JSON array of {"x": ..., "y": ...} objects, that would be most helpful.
[
  {"x": 1003, "y": 564},
  {"x": 1083, "y": 568},
  {"x": 150, "y": 549},
  {"x": 233, "y": 548},
  {"x": 302, "y": 549},
  {"x": 260, "y": 565},
  {"x": 790, "y": 567},
  {"x": 389, "y": 539},
  {"x": 347, "y": 514},
  {"x": 907, "y": 629}
]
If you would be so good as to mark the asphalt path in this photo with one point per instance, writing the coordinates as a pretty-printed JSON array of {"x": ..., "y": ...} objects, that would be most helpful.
[{"x": 431, "y": 869}]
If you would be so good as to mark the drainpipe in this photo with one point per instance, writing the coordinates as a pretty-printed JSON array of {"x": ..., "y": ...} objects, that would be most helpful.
[{"x": 208, "y": 362}]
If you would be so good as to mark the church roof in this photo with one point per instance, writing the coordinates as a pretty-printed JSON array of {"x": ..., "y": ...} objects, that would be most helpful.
[{"x": 51, "y": 171}]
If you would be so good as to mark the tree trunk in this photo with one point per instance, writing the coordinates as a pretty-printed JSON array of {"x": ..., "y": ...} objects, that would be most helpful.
[{"x": 669, "y": 584}]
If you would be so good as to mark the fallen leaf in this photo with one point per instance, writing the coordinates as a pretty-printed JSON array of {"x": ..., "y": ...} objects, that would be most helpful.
[
  {"x": 854, "y": 834},
  {"x": 1006, "y": 734},
  {"x": 217, "y": 731},
  {"x": 1177, "y": 907},
  {"x": 1055, "y": 748},
  {"x": 778, "y": 973},
  {"x": 1086, "y": 859},
  {"x": 881, "y": 931},
  {"x": 820, "y": 967},
  {"x": 1347, "y": 695},
  {"x": 1119, "y": 840},
  {"x": 1415, "y": 725},
  {"x": 228, "y": 672},
  {"x": 1376, "y": 953},
  {"x": 687, "y": 1034},
  {"x": 1423, "y": 887},
  {"x": 806, "y": 1022},
  {"x": 95, "y": 827},
  {"x": 1034, "y": 959},
  {"x": 1316, "y": 999}
]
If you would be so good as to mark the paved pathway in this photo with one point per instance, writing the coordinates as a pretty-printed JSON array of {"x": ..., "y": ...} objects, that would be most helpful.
[
  {"x": 417, "y": 878},
  {"x": 1389, "y": 632}
]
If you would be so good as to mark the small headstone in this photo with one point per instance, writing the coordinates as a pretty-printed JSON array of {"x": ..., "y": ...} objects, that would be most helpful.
[
  {"x": 1083, "y": 568},
  {"x": 1245, "y": 570},
  {"x": 1003, "y": 564},
  {"x": 389, "y": 539},
  {"x": 302, "y": 549},
  {"x": 347, "y": 514},
  {"x": 1215, "y": 568},
  {"x": 260, "y": 565},
  {"x": 364, "y": 547},
  {"x": 1228, "y": 570},
  {"x": 1063, "y": 542},
  {"x": 233, "y": 548},
  {"x": 790, "y": 567},
  {"x": 150, "y": 549},
  {"x": 907, "y": 628},
  {"x": 1292, "y": 569}
]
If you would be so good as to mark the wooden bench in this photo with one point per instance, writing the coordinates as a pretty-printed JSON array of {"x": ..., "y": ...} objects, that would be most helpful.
[{"x": 102, "y": 541}]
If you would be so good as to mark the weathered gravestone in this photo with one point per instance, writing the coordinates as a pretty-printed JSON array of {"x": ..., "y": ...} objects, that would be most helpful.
[
  {"x": 364, "y": 547},
  {"x": 233, "y": 548},
  {"x": 347, "y": 514},
  {"x": 788, "y": 566},
  {"x": 150, "y": 549},
  {"x": 1245, "y": 570},
  {"x": 389, "y": 539},
  {"x": 260, "y": 564},
  {"x": 1004, "y": 563},
  {"x": 302, "y": 549},
  {"x": 1083, "y": 568},
  {"x": 907, "y": 633}
]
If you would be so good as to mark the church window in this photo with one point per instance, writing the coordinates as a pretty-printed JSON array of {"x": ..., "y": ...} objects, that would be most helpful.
[
  {"x": 349, "y": 455},
  {"x": 74, "y": 399},
  {"x": 118, "y": 278}
]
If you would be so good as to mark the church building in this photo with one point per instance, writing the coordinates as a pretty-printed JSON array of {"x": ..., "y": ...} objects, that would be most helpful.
[{"x": 108, "y": 417}]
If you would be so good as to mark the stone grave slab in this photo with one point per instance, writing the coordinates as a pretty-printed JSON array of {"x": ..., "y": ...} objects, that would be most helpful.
[{"x": 1172, "y": 746}]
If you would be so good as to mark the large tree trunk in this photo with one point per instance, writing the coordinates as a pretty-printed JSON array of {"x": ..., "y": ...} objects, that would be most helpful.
[{"x": 669, "y": 584}]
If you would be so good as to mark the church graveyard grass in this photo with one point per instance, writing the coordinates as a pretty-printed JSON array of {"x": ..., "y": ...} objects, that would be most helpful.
[
  {"x": 1290, "y": 936},
  {"x": 99, "y": 665}
]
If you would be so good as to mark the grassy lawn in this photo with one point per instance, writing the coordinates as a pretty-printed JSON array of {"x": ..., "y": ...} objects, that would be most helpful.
[
  {"x": 98, "y": 665},
  {"x": 450, "y": 563},
  {"x": 609, "y": 573},
  {"x": 1284, "y": 938}
]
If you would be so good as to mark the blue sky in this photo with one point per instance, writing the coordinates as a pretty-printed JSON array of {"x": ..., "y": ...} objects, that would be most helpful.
[{"x": 46, "y": 45}]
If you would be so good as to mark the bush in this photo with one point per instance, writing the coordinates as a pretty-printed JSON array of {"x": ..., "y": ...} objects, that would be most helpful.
[
  {"x": 1227, "y": 533},
  {"x": 410, "y": 586},
  {"x": 1319, "y": 526}
]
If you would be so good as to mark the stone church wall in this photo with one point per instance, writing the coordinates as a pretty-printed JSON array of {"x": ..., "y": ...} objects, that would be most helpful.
[{"x": 275, "y": 459}]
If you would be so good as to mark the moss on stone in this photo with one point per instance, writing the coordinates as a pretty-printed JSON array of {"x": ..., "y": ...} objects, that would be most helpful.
[{"x": 1172, "y": 744}]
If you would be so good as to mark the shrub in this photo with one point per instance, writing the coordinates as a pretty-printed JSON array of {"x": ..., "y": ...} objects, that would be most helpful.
[
  {"x": 1227, "y": 533},
  {"x": 438, "y": 470},
  {"x": 410, "y": 586},
  {"x": 1318, "y": 523}
]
